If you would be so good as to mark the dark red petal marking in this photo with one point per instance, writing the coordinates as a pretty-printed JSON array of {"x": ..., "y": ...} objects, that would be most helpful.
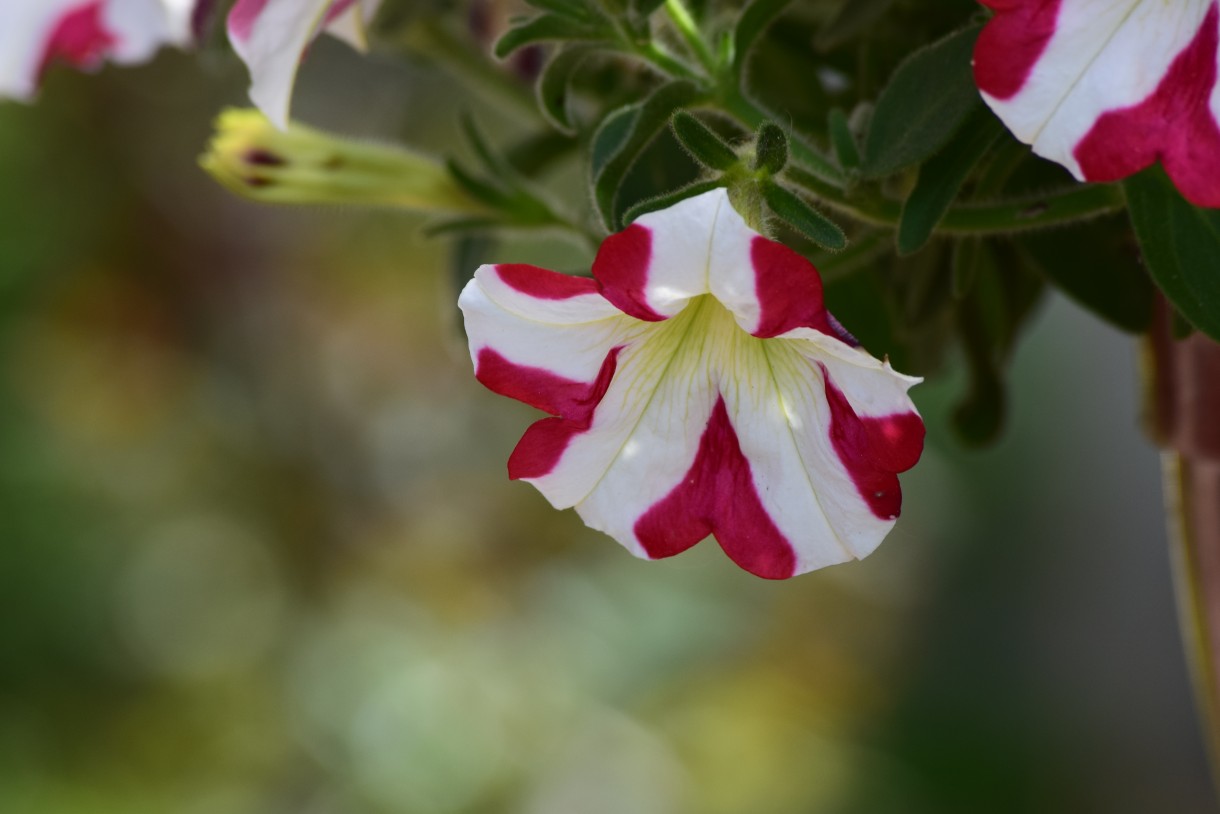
[
  {"x": 80, "y": 38},
  {"x": 1010, "y": 45},
  {"x": 1174, "y": 124},
  {"x": 544, "y": 284},
  {"x": 874, "y": 450},
  {"x": 789, "y": 290},
  {"x": 243, "y": 17},
  {"x": 621, "y": 268},
  {"x": 718, "y": 496},
  {"x": 540, "y": 449}
]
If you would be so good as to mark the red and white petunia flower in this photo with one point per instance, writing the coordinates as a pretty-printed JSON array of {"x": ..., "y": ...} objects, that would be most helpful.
[
  {"x": 698, "y": 386},
  {"x": 271, "y": 36},
  {"x": 1107, "y": 87},
  {"x": 35, "y": 34}
]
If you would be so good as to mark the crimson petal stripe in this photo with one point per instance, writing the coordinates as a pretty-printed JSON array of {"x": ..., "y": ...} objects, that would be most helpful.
[
  {"x": 1175, "y": 124},
  {"x": 1010, "y": 45},
  {"x": 718, "y": 496},
  {"x": 874, "y": 449}
]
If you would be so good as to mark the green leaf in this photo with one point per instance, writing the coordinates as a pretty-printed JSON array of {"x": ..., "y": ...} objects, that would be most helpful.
[
  {"x": 754, "y": 20},
  {"x": 555, "y": 81},
  {"x": 852, "y": 17},
  {"x": 927, "y": 99},
  {"x": 704, "y": 146},
  {"x": 489, "y": 193},
  {"x": 1005, "y": 294},
  {"x": 1097, "y": 264},
  {"x": 941, "y": 178},
  {"x": 771, "y": 149},
  {"x": 546, "y": 28},
  {"x": 803, "y": 217},
  {"x": 610, "y": 136},
  {"x": 1181, "y": 246},
  {"x": 622, "y": 138},
  {"x": 843, "y": 140},
  {"x": 668, "y": 199}
]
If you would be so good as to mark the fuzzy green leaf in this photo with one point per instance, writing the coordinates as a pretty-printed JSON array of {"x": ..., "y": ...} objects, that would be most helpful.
[
  {"x": 791, "y": 209},
  {"x": 555, "y": 81},
  {"x": 704, "y": 146},
  {"x": 754, "y": 20},
  {"x": 843, "y": 140},
  {"x": 546, "y": 28},
  {"x": 927, "y": 99},
  {"x": 622, "y": 138},
  {"x": 941, "y": 178},
  {"x": 1181, "y": 246}
]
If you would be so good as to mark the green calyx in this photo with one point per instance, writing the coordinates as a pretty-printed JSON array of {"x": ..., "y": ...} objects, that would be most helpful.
[{"x": 301, "y": 165}]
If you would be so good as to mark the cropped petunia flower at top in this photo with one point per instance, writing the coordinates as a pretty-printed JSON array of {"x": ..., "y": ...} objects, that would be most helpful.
[
  {"x": 35, "y": 34},
  {"x": 1107, "y": 87},
  {"x": 697, "y": 385},
  {"x": 271, "y": 36}
]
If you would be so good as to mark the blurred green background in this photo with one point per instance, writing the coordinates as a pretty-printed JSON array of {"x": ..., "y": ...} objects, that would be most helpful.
[{"x": 258, "y": 552}]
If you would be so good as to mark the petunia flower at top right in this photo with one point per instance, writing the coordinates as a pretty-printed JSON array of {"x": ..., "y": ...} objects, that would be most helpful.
[{"x": 1108, "y": 87}]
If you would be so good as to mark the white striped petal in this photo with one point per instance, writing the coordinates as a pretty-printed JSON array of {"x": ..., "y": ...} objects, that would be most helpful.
[
  {"x": 271, "y": 37},
  {"x": 1107, "y": 87},
  {"x": 749, "y": 417}
]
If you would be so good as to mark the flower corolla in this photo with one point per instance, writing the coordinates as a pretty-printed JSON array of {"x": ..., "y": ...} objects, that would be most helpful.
[
  {"x": 271, "y": 37},
  {"x": 1107, "y": 87},
  {"x": 34, "y": 34},
  {"x": 698, "y": 386}
]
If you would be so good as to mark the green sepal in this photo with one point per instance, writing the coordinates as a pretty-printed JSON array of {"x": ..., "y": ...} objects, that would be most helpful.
[
  {"x": 1181, "y": 247},
  {"x": 754, "y": 20},
  {"x": 771, "y": 148},
  {"x": 1097, "y": 265},
  {"x": 941, "y": 178},
  {"x": 791, "y": 209},
  {"x": 554, "y": 83},
  {"x": 927, "y": 99},
  {"x": 701, "y": 142},
  {"x": 668, "y": 199},
  {"x": 622, "y": 137},
  {"x": 546, "y": 28}
]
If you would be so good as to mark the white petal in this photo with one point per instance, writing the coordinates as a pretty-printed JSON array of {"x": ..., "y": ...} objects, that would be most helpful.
[
  {"x": 779, "y": 407},
  {"x": 1104, "y": 55},
  {"x": 26, "y": 28},
  {"x": 271, "y": 38}
]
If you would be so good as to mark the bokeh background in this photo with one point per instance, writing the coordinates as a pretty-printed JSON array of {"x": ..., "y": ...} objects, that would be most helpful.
[{"x": 258, "y": 552}]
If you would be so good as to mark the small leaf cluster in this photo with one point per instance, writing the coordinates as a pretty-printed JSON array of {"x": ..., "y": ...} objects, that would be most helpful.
[{"x": 853, "y": 131}]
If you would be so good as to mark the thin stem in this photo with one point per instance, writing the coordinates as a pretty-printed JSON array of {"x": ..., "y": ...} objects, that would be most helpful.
[
  {"x": 1003, "y": 217},
  {"x": 663, "y": 62},
  {"x": 681, "y": 17}
]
